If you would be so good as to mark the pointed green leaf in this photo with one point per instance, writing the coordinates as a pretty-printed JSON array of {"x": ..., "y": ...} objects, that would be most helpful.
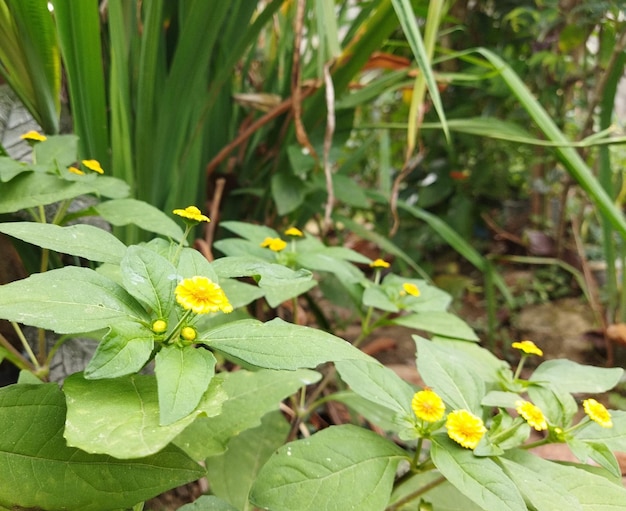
[
  {"x": 278, "y": 344},
  {"x": 9, "y": 168},
  {"x": 439, "y": 323},
  {"x": 131, "y": 211},
  {"x": 614, "y": 438},
  {"x": 79, "y": 240},
  {"x": 341, "y": 467},
  {"x": 120, "y": 416},
  {"x": 556, "y": 404},
  {"x": 251, "y": 232},
  {"x": 150, "y": 278},
  {"x": 122, "y": 351},
  {"x": 68, "y": 300},
  {"x": 371, "y": 411},
  {"x": 576, "y": 378},
  {"x": 233, "y": 473},
  {"x": 250, "y": 396},
  {"x": 192, "y": 263},
  {"x": 374, "y": 296},
  {"x": 479, "y": 479},
  {"x": 183, "y": 376},
  {"x": 40, "y": 471},
  {"x": 597, "y": 452},
  {"x": 57, "y": 152}
]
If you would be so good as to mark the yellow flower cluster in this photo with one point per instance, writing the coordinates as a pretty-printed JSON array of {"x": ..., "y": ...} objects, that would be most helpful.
[
  {"x": 274, "y": 244},
  {"x": 201, "y": 295},
  {"x": 379, "y": 263},
  {"x": 597, "y": 413},
  {"x": 428, "y": 406},
  {"x": 410, "y": 289},
  {"x": 33, "y": 136},
  {"x": 528, "y": 347},
  {"x": 192, "y": 213},
  {"x": 532, "y": 414}
]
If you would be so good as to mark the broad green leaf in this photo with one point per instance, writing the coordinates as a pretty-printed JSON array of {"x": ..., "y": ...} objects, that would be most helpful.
[
  {"x": 183, "y": 376},
  {"x": 501, "y": 399},
  {"x": 341, "y": 467},
  {"x": 597, "y": 452},
  {"x": 539, "y": 489},
  {"x": 371, "y": 411},
  {"x": 68, "y": 300},
  {"x": 278, "y": 344},
  {"x": 233, "y": 473},
  {"x": 80, "y": 240},
  {"x": 349, "y": 192},
  {"x": 40, "y": 471},
  {"x": 150, "y": 278},
  {"x": 479, "y": 479},
  {"x": 131, "y": 211},
  {"x": 278, "y": 282},
  {"x": 558, "y": 406},
  {"x": 237, "y": 247},
  {"x": 506, "y": 432},
  {"x": 122, "y": 351},
  {"x": 614, "y": 438},
  {"x": 192, "y": 263},
  {"x": 120, "y": 416},
  {"x": 376, "y": 382},
  {"x": 239, "y": 293},
  {"x": 431, "y": 298},
  {"x": 58, "y": 151},
  {"x": 326, "y": 261},
  {"x": 287, "y": 192},
  {"x": 374, "y": 296},
  {"x": 251, "y": 232},
  {"x": 445, "y": 371},
  {"x": 208, "y": 503},
  {"x": 577, "y": 378},
  {"x": 440, "y": 323},
  {"x": 9, "y": 168},
  {"x": 250, "y": 396},
  {"x": 593, "y": 492}
]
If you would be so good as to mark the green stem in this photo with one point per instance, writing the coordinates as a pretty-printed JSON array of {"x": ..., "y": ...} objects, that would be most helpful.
[
  {"x": 538, "y": 443},
  {"x": 14, "y": 356},
  {"x": 520, "y": 366},
  {"x": 182, "y": 242},
  {"x": 417, "y": 493},
  {"x": 418, "y": 451},
  {"x": 176, "y": 329},
  {"x": 27, "y": 347}
]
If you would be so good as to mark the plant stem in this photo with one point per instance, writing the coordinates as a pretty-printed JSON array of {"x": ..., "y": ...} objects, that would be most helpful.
[
  {"x": 412, "y": 496},
  {"x": 27, "y": 347},
  {"x": 520, "y": 366},
  {"x": 15, "y": 356}
]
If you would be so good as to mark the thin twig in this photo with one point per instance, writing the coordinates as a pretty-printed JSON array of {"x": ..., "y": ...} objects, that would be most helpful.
[
  {"x": 15, "y": 356},
  {"x": 412, "y": 496},
  {"x": 328, "y": 142},
  {"x": 205, "y": 245},
  {"x": 409, "y": 166}
]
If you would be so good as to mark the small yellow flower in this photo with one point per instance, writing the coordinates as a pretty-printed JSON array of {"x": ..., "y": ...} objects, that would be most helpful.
[
  {"x": 76, "y": 171},
  {"x": 274, "y": 244},
  {"x": 93, "y": 165},
  {"x": 532, "y": 414},
  {"x": 379, "y": 263},
  {"x": 428, "y": 406},
  {"x": 294, "y": 231},
  {"x": 465, "y": 428},
  {"x": 597, "y": 413},
  {"x": 188, "y": 333},
  {"x": 202, "y": 295},
  {"x": 33, "y": 136},
  {"x": 411, "y": 289},
  {"x": 192, "y": 213},
  {"x": 159, "y": 326},
  {"x": 527, "y": 347}
]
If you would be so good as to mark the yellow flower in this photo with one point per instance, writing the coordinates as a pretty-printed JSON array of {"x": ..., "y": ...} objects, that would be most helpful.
[
  {"x": 294, "y": 231},
  {"x": 532, "y": 414},
  {"x": 597, "y": 413},
  {"x": 465, "y": 428},
  {"x": 33, "y": 136},
  {"x": 411, "y": 289},
  {"x": 188, "y": 333},
  {"x": 93, "y": 165},
  {"x": 528, "y": 347},
  {"x": 192, "y": 213},
  {"x": 159, "y": 326},
  {"x": 202, "y": 295},
  {"x": 428, "y": 406},
  {"x": 379, "y": 263},
  {"x": 274, "y": 244},
  {"x": 76, "y": 171}
]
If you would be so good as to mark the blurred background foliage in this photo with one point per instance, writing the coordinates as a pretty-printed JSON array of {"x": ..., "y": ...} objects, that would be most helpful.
[{"x": 489, "y": 127}]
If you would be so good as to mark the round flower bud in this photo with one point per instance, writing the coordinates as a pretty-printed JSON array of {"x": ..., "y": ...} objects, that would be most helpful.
[
  {"x": 159, "y": 326},
  {"x": 188, "y": 333}
]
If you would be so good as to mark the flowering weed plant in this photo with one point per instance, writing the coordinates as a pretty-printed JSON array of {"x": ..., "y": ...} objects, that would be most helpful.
[{"x": 185, "y": 383}]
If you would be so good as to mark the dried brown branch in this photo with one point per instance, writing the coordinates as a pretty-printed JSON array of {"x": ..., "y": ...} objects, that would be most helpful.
[{"x": 328, "y": 142}]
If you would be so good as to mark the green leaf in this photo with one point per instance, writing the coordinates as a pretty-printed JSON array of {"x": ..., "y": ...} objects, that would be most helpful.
[
  {"x": 593, "y": 492},
  {"x": 150, "y": 278},
  {"x": 250, "y": 396},
  {"x": 40, "y": 471},
  {"x": 371, "y": 411},
  {"x": 341, "y": 467},
  {"x": 79, "y": 240},
  {"x": 597, "y": 452},
  {"x": 240, "y": 294},
  {"x": 287, "y": 191},
  {"x": 120, "y": 416},
  {"x": 558, "y": 406},
  {"x": 122, "y": 351},
  {"x": 374, "y": 296},
  {"x": 326, "y": 260},
  {"x": 376, "y": 382},
  {"x": 577, "y": 378},
  {"x": 440, "y": 323},
  {"x": 479, "y": 479},
  {"x": 208, "y": 503},
  {"x": 57, "y": 152},
  {"x": 68, "y": 300},
  {"x": 614, "y": 438},
  {"x": 501, "y": 399},
  {"x": 233, "y": 473},
  {"x": 192, "y": 263},
  {"x": 278, "y": 344},
  {"x": 183, "y": 376},
  {"x": 9, "y": 168},
  {"x": 131, "y": 211},
  {"x": 431, "y": 298},
  {"x": 445, "y": 371},
  {"x": 538, "y": 488},
  {"x": 251, "y": 232}
]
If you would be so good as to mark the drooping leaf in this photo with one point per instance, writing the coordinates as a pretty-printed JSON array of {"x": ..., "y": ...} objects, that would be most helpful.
[
  {"x": 233, "y": 473},
  {"x": 120, "y": 416},
  {"x": 41, "y": 471},
  {"x": 478, "y": 478},
  {"x": 68, "y": 300},
  {"x": 183, "y": 376},
  {"x": 278, "y": 344},
  {"x": 441, "y": 323},
  {"x": 341, "y": 467},
  {"x": 250, "y": 396},
  {"x": 79, "y": 240}
]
